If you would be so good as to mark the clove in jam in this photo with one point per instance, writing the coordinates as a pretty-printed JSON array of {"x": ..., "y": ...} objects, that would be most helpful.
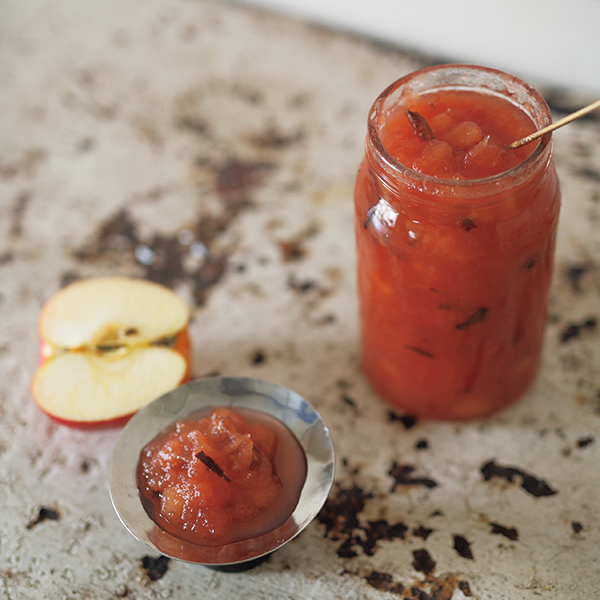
[{"x": 222, "y": 476}]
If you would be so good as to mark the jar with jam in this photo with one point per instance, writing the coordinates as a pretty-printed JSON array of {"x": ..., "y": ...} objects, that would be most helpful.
[{"x": 455, "y": 241}]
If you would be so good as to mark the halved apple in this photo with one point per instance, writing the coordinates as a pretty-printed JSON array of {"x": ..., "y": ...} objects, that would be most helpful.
[{"x": 108, "y": 347}]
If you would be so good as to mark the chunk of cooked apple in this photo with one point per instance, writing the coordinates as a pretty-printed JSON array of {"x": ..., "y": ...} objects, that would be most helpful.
[{"x": 108, "y": 347}]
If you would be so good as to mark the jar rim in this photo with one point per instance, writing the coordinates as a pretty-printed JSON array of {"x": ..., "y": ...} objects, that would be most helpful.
[{"x": 509, "y": 86}]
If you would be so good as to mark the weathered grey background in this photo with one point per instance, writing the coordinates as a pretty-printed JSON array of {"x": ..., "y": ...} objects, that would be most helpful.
[{"x": 213, "y": 147}]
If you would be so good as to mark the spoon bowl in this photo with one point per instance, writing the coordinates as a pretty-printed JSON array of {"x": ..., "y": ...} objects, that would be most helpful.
[{"x": 241, "y": 392}]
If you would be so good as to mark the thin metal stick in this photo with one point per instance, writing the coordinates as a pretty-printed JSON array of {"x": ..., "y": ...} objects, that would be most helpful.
[{"x": 553, "y": 126}]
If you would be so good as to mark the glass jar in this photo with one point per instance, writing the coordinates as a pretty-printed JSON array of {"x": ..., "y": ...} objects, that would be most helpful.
[{"x": 453, "y": 273}]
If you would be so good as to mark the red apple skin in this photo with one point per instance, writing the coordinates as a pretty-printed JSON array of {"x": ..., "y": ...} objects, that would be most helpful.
[
  {"x": 182, "y": 345},
  {"x": 84, "y": 425}
]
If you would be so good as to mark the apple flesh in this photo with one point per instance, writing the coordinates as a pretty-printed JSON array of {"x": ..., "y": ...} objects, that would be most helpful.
[{"x": 108, "y": 347}]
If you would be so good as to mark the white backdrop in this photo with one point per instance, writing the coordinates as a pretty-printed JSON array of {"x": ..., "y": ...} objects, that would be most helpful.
[{"x": 543, "y": 41}]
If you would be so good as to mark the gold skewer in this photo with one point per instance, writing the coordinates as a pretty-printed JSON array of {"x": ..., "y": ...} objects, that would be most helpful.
[{"x": 534, "y": 136}]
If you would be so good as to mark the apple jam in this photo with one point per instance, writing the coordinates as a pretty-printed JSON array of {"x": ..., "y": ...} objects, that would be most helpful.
[
  {"x": 455, "y": 241},
  {"x": 222, "y": 476}
]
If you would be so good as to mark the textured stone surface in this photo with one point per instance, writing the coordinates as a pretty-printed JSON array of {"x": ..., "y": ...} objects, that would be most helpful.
[{"x": 214, "y": 148}]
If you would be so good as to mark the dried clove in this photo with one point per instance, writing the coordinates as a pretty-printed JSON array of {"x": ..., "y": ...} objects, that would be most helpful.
[
  {"x": 476, "y": 317},
  {"x": 420, "y": 125},
  {"x": 211, "y": 465}
]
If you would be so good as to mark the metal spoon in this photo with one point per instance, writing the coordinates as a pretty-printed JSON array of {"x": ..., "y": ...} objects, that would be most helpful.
[{"x": 244, "y": 392}]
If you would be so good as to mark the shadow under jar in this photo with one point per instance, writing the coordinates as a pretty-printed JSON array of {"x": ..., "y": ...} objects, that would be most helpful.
[{"x": 455, "y": 241}]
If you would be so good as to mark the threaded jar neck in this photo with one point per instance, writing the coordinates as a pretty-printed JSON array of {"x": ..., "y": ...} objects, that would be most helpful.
[{"x": 394, "y": 175}]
